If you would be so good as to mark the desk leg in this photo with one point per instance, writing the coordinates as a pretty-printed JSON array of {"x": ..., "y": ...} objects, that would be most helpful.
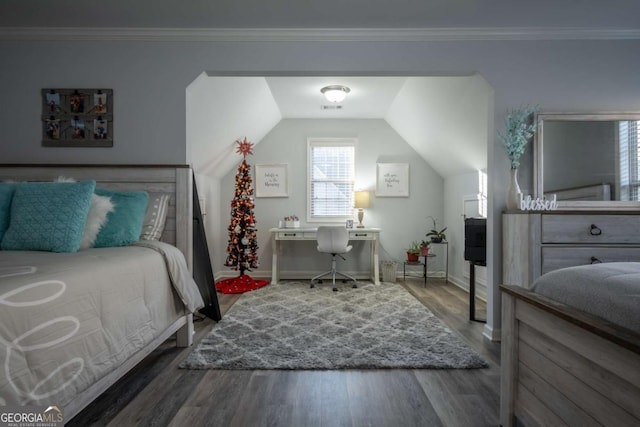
[
  {"x": 275, "y": 248},
  {"x": 375, "y": 264}
]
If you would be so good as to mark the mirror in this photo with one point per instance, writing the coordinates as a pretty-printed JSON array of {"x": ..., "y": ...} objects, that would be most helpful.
[{"x": 589, "y": 161}]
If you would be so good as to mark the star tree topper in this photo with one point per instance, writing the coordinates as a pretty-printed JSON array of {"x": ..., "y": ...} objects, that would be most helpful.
[{"x": 244, "y": 147}]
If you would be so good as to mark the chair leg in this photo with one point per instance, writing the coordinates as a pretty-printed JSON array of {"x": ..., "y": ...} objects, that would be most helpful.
[
  {"x": 319, "y": 276},
  {"x": 348, "y": 277},
  {"x": 333, "y": 272}
]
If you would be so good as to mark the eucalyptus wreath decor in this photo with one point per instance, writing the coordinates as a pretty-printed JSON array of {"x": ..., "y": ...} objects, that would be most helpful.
[{"x": 519, "y": 130}]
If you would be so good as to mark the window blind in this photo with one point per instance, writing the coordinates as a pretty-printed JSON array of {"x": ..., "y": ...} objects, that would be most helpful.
[
  {"x": 331, "y": 180},
  {"x": 629, "y": 165}
]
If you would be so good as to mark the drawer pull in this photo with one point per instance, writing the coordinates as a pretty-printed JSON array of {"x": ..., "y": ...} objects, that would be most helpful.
[
  {"x": 290, "y": 234},
  {"x": 361, "y": 234},
  {"x": 595, "y": 260},
  {"x": 595, "y": 230}
]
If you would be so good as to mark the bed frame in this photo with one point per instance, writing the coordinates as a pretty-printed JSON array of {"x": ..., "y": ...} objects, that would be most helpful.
[
  {"x": 562, "y": 366},
  {"x": 174, "y": 179}
]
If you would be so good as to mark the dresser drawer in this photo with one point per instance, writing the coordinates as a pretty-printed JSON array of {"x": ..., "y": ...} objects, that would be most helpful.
[
  {"x": 557, "y": 257},
  {"x": 590, "y": 229}
]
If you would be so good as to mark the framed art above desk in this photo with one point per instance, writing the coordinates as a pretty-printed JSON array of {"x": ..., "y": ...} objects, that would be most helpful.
[{"x": 279, "y": 235}]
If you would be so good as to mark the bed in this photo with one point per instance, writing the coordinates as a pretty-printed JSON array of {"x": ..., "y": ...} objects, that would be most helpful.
[
  {"x": 571, "y": 348},
  {"x": 72, "y": 323}
]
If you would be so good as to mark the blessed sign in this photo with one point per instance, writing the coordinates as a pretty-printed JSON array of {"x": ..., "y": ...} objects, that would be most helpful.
[{"x": 538, "y": 204}]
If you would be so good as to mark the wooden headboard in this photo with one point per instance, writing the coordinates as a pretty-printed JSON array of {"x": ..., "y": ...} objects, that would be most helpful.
[{"x": 174, "y": 179}]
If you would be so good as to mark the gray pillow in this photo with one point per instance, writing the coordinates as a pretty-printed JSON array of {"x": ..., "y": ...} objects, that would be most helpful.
[{"x": 155, "y": 216}]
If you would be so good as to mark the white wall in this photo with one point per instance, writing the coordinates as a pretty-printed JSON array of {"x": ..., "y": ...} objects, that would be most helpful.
[
  {"x": 149, "y": 80},
  {"x": 402, "y": 219},
  {"x": 457, "y": 189},
  {"x": 219, "y": 111}
]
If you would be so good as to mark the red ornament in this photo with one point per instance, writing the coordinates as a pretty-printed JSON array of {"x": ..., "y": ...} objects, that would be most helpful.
[{"x": 244, "y": 147}]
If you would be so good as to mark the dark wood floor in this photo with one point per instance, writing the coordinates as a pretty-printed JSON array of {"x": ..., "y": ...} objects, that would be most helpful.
[{"x": 157, "y": 393}]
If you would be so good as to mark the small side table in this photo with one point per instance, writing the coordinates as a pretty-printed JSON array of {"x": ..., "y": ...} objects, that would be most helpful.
[{"x": 422, "y": 263}]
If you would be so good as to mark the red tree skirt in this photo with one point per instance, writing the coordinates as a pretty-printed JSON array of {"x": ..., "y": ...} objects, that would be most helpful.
[{"x": 238, "y": 285}]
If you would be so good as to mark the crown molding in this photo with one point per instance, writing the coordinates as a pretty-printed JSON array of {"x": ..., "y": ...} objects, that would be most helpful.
[{"x": 310, "y": 34}]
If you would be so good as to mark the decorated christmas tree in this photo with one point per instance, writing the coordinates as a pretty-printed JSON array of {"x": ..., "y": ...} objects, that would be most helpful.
[{"x": 242, "y": 247}]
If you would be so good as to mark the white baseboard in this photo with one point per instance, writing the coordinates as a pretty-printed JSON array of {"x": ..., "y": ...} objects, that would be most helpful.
[
  {"x": 289, "y": 275},
  {"x": 481, "y": 287},
  {"x": 491, "y": 334}
]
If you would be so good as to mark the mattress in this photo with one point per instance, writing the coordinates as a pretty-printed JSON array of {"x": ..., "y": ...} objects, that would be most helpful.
[
  {"x": 608, "y": 290},
  {"x": 69, "y": 319}
]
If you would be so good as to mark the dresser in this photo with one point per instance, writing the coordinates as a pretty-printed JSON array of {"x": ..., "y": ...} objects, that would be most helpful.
[{"x": 536, "y": 243}]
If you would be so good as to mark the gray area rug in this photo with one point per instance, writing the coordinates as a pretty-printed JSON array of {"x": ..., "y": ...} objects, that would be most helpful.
[{"x": 290, "y": 326}]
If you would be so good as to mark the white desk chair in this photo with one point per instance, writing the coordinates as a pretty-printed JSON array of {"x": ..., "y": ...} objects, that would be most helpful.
[{"x": 334, "y": 241}]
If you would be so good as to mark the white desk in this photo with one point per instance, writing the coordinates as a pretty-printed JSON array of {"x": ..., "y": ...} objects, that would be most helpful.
[{"x": 282, "y": 234}]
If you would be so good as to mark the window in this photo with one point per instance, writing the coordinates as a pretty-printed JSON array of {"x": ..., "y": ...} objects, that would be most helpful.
[
  {"x": 331, "y": 166},
  {"x": 483, "y": 191},
  {"x": 629, "y": 152}
]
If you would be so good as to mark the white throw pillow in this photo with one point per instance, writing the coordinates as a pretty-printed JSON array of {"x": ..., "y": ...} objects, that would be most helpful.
[{"x": 97, "y": 217}]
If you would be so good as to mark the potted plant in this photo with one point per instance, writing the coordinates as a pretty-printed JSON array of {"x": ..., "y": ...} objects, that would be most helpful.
[
  {"x": 424, "y": 248},
  {"x": 436, "y": 235},
  {"x": 413, "y": 252}
]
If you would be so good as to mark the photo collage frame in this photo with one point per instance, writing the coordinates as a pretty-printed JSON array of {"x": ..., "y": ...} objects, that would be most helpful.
[{"x": 77, "y": 117}]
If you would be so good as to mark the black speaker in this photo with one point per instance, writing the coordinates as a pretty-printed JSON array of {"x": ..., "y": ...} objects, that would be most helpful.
[{"x": 475, "y": 240}]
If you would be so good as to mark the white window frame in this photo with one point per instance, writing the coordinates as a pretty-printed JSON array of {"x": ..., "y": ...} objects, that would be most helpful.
[
  {"x": 327, "y": 142},
  {"x": 483, "y": 193},
  {"x": 627, "y": 160}
]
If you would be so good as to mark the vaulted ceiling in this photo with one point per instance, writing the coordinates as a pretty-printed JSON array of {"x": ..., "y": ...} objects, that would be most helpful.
[{"x": 444, "y": 119}]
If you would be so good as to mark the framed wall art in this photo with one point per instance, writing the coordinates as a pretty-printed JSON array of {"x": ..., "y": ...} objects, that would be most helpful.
[
  {"x": 77, "y": 117},
  {"x": 272, "y": 180},
  {"x": 392, "y": 180}
]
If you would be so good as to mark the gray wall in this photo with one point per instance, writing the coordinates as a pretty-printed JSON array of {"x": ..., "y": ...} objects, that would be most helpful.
[{"x": 149, "y": 81}]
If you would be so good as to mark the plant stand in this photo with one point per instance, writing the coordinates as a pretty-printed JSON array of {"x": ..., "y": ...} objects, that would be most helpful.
[
  {"x": 420, "y": 263},
  {"x": 444, "y": 248}
]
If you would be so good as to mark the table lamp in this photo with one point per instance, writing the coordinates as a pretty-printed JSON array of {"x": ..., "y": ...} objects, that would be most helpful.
[{"x": 361, "y": 201}]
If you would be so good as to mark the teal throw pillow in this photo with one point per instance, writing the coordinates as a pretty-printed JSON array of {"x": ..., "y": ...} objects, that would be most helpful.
[
  {"x": 48, "y": 216},
  {"x": 6, "y": 194},
  {"x": 124, "y": 223}
]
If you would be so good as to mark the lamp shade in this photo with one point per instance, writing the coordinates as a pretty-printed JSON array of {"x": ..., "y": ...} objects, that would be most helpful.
[
  {"x": 361, "y": 199},
  {"x": 335, "y": 93}
]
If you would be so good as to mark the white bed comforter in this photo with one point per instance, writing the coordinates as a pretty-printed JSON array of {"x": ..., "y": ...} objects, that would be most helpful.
[
  {"x": 609, "y": 290},
  {"x": 67, "y": 320}
]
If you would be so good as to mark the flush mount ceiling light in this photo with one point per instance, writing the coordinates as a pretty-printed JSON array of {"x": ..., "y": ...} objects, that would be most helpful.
[{"x": 335, "y": 93}]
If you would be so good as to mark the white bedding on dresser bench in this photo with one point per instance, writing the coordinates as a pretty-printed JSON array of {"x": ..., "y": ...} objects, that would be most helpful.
[
  {"x": 608, "y": 290},
  {"x": 69, "y": 319}
]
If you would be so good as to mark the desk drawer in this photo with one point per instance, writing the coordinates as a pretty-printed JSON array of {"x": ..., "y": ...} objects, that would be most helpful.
[
  {"x": 361, "y": 235},
  {"x": 290, "y": 235},
  {"x": 557, "y": 257},
  {"x": 592, "y": 229}
]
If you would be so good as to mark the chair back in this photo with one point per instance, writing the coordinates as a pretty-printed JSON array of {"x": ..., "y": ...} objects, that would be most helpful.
[{"x": 333, "y": 240}]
